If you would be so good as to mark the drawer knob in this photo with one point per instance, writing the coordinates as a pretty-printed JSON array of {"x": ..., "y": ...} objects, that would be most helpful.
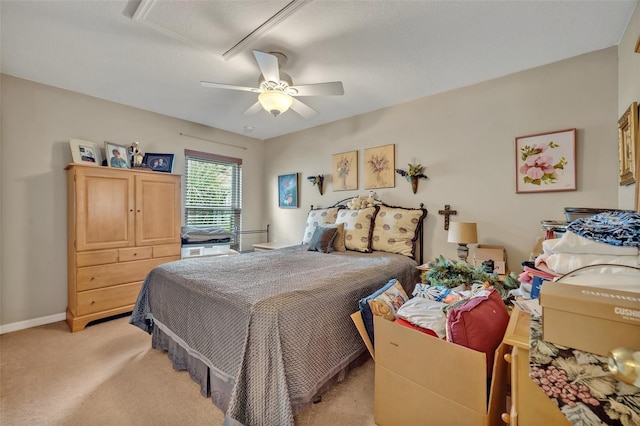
[
  {"x": 93, "y": 301},
  {"x": 92, "y": 278},
  {"x": 506, "y": 418},
  {"x": 507, "y": 357},
  {"x": 135, "y": 254}
]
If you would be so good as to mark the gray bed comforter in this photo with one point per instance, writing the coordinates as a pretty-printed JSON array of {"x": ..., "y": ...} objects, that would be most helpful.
[{"x": 274, "y": 325}]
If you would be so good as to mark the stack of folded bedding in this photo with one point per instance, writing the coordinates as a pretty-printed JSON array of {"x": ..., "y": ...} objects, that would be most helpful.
[
  {"x": 611, "y": 238},
  {"x": 204, "y": 234}
]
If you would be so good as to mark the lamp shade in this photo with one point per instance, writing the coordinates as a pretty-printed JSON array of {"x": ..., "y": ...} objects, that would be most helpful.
[
  {"x": 275, "y": 101},
  {"x": 462, "y": 233}
]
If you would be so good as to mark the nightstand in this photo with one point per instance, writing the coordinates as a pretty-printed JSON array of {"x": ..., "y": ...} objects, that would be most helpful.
[
  {"x": 269, "y": 246},
  {"x": 529, "y": 404}
]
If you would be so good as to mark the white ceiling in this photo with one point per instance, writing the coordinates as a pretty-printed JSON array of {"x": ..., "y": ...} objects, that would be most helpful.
[{"x": 153, "y": 54}]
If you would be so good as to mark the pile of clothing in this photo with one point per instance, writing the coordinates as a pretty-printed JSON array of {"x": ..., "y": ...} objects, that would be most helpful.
[
  {"x": 607, "y": 238},
  {"x": 475, "y": 318}
]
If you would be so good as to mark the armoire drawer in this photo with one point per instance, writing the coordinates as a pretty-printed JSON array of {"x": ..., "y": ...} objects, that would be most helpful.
[
  {"x": 92, "y": 277},
  {"x": 134, "y": 253},
  {"x": 96, "y": 257},
  {"x": 102, "y": 299}
]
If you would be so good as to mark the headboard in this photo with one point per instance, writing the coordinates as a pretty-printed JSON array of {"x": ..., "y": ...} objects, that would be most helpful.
[{"x": 418, "y": 240}]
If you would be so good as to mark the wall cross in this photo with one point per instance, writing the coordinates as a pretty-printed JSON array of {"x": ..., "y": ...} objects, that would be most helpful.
[{"x": 447, "y": 212}]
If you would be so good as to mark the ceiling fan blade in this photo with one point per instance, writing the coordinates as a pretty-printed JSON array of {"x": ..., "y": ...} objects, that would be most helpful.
[
  {"x": 230, "y": 86},
  {"x": 319, "y": 89},
  {"x": 268, "y": 65},
  {"x": 253, "y": 109},
  {"x": 303, "y": 109}
]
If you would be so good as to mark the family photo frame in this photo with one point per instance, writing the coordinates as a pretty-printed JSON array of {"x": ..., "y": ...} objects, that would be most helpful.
[
  {"x": 117, "y": 155},
  {"x": 85, "y": 152},
  {"x": 546, "y": 162},
  {"x": 158, "y": 162}
]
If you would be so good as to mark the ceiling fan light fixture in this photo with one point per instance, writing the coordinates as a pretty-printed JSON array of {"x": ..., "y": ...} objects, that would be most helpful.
[{"x": 275, "y": 101}]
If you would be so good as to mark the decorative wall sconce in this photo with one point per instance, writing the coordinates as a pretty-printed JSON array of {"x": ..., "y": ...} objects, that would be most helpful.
[{"x": 318, "y": 181}]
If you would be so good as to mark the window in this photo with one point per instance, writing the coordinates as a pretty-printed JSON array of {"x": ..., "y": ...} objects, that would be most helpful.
[{"x": 213, "y": 195}]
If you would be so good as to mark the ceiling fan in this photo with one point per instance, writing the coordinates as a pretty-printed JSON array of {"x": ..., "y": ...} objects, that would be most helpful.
[{"x": 276, "y": 90}]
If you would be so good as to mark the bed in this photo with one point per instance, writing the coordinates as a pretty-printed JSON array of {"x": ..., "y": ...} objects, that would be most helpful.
[{"x": 266, "y": 333}]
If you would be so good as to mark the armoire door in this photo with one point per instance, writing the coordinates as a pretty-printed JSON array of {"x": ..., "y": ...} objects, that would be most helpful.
[
  {"x": 157, "y": 209},
  {"x": 104, "y": 208}
]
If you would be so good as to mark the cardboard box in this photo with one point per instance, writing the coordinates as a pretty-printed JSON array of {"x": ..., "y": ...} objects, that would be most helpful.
[
  {"x": 496, "y": 253},
  {"x": 422, "y": 380},
  {"x": 590, "y": 318}
]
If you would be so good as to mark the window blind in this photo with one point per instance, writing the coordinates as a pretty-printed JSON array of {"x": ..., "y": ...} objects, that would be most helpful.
[{"x": 213, "y": 193}]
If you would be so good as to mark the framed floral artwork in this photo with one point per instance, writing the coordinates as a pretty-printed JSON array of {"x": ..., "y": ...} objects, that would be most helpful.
[
  {"x": 288, "y": 191},
  {"x": 345, "y": 171},
  {"x": 627, "y": 144},
  {"x": 379, "y": 166},
  {"x": 546, "y": 162}
]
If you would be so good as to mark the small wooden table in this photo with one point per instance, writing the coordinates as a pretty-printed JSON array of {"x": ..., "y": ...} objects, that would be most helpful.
[{"x": 269, "y": 246}]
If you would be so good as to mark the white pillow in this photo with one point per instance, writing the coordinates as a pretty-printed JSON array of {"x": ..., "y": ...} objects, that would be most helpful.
[
  {"x": 318, "y": 217},
  {"x": 395, "y": 230},
  {"x": 358, "y": 225}
]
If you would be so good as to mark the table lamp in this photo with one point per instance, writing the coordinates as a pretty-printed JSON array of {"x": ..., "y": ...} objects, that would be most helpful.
[{"x": 463, "y": 233}]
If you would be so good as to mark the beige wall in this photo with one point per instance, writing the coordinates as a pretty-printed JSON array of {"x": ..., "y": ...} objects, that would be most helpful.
[
  {"x": 37, "y": 123},
  {"x": 629, "y": 89},
  {"x": 465, "y": 138}
]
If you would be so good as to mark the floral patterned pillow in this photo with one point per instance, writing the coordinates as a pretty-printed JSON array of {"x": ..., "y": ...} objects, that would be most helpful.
[
  {"x": 396, "y": 230},
  {"x": 384, "y": 302},
  {"x": 358, "y": 226},
  {"x": 318, "y": 217}
]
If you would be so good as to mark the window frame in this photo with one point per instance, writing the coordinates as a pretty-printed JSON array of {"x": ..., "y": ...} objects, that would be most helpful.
[{"x": 234, "y": 209}]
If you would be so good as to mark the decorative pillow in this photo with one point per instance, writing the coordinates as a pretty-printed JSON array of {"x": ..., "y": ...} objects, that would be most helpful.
[
  {"x": 396, "y": 230},
  {"x": 338, "y": 242},
  {"x": 358, "y": 226},
  {"x": 479, "y": 324},
  {"x": 317, "y": 217},
  {"x": 384, "y": 302},
  {"x": 322, "y": 239}
]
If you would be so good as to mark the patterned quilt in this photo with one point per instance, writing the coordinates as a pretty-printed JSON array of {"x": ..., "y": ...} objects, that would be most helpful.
[
  {"x": 580, "y": 384},
  {"x": 274, "y": 324},
  {"x": 618, "y": 228}
]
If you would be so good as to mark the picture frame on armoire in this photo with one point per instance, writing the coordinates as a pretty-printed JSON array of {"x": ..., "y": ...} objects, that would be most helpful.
[
  {"x": 117, "y": 155},
  {"x": 158, "y": 162},
  {"x": 85, "y": 152}
]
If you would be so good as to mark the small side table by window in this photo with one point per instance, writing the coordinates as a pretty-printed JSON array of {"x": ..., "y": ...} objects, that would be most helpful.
[{"x": 269, "y": 246}]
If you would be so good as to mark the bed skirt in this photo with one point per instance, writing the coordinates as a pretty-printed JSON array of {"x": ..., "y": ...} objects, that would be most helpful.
[{"x": 219, "y": 389}]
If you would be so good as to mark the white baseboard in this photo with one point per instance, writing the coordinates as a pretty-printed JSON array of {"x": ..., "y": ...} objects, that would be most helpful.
[{"x": 21, "y": 325}]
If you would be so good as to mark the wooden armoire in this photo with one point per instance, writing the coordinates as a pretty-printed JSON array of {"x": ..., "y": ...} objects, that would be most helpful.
[{"x": 121, "y": 224}]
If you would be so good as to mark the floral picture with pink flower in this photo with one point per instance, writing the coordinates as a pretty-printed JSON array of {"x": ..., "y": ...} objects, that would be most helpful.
[{"x": 546, "y": 162}]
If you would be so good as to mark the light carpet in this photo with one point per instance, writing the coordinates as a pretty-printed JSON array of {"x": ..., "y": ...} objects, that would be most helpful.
[{"x": 108, "y": 374}]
